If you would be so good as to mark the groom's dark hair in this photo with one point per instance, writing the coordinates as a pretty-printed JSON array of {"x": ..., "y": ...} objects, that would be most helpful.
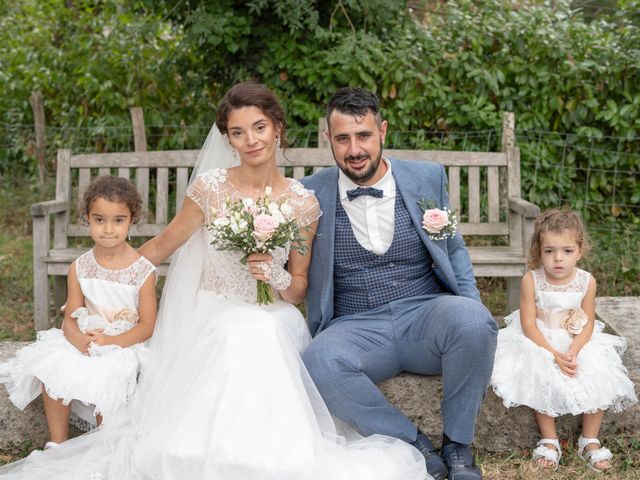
[{"x": 354, "y": 101}]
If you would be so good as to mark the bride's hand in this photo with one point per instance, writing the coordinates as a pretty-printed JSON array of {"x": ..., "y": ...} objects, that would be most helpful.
[
  {"x": 270, "y": 269},
  {"x": 256, "y": 262}
]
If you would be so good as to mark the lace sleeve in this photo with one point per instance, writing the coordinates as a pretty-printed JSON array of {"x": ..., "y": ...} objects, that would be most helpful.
[
  {"x": 305, "y": 204},
  {"x": 196, "y": 191},
  {"x": 207, "y": 188}
]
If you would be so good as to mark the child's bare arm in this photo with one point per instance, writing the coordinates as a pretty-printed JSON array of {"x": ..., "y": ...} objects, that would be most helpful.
[
  {"x": 147, "y": 309},
  {"x": 75, "y": 300},
  {"x": 589, "y": 307}
]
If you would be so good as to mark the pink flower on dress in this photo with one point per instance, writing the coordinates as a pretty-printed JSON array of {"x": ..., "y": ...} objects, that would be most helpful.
[
  {"x": 126, "y": 315},
  {"x": 575, "y": 321},
  {"x": 264, "y": 226}
]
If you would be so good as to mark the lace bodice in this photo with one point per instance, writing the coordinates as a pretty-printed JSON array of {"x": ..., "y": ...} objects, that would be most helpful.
[
  {"x": 223, "y": 273},
  {"x": 560, "y": 297},
  {"x": 107, "y": 292}
]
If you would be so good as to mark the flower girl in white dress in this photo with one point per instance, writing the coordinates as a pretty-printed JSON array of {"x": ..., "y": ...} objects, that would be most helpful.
[
  {"x": 553, "y": 356},
  {"x": 90, "y": 366},
  {"x": 225, "y": 394}
]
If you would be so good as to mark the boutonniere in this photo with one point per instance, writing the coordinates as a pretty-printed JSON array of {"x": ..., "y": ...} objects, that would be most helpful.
[{"x": 439, "y": 224}]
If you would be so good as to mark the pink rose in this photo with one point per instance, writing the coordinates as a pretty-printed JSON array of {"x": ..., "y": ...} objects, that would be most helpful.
[
  {"x": 264, "y": 226},
  {"x": 434, "y": 220}
]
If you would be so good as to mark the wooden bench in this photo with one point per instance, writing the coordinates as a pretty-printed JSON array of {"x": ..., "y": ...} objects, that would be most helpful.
[{"x": 484, "y": 188}]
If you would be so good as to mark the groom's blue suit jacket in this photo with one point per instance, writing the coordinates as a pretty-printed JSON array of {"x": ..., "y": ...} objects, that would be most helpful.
[{"x": 415, "y": 181}]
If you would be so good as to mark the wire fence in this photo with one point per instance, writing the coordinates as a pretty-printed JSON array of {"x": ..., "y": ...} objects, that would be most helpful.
[{"x": 597, "y": 176}]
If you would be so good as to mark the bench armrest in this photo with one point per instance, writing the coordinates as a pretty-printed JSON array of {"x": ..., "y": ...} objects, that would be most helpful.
[
  {"x": 523, "y": 207},
  {"x": 41, "y": 209}
]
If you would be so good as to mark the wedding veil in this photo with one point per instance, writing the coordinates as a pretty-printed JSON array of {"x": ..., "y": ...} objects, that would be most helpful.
[{"x": 184, "y": 278}]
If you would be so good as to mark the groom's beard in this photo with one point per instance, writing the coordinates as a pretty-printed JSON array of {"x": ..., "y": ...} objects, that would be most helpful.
[{"x": 361, "y": 176}]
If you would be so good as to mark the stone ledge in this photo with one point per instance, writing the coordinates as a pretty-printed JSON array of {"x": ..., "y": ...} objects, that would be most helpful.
[{"x": 498, "y": 429}]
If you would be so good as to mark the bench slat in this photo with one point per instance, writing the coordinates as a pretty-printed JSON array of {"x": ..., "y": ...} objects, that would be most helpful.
[
  {"x": 493, "y": 193},
  {"x": 123, "y": 173},
  {"x": 289, "y": 157},
  {"x": 175, "y": 158},
  {"x": 182, "y": 180},
  {"x": 454, "y": 189},
  {"x": 84, "y": 179},
  {"x": 495, "y": 229},
  {"x": 104, "y": 171},
  {"x": 162, "y": 192},
  {"x": 142, "y": 184},
  {"x": 137, "y": 230},
  {"x": 474, "y": 194}
]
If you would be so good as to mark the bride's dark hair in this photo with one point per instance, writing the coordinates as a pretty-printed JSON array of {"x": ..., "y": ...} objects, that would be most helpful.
[{"x": 251, "y": 94}]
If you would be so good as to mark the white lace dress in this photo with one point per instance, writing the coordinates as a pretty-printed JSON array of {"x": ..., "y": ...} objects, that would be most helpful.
[
  {"x": 229, "y": 398},
  {"x": 526, "y": 374},
  {"x": 98, "y": 383}
]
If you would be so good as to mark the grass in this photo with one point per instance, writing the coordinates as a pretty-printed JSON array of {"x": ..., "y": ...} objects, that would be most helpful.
[
  {"x": 518, "y": 465},
  {"x": 16, "y": 277}
]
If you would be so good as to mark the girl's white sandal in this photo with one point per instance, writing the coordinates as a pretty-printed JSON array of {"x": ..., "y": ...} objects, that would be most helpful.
[
  {"x": 49, "y": 445},
  {"x": 593, "y": 456},
  {"x": 542, "y": 451}
]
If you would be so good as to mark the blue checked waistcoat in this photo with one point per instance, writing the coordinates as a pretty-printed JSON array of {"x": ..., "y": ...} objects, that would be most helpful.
[{"x": 364, "y": 281}]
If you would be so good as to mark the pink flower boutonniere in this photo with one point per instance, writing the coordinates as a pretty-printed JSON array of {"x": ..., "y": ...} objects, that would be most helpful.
[{"x": 439, "y": 224}]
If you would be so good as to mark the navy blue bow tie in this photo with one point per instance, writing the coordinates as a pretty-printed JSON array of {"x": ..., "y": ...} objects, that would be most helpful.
[{"x": 356, "y": 192}]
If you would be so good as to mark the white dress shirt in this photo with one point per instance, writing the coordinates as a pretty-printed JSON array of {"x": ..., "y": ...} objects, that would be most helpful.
[{"x": 372, "y": 219}]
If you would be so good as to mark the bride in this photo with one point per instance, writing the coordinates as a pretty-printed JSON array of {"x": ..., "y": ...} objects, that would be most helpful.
[{"x": 224, "y": 394}]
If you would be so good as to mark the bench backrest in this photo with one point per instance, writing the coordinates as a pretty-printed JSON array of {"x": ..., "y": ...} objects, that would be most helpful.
[{"x": 480, "y": 183}]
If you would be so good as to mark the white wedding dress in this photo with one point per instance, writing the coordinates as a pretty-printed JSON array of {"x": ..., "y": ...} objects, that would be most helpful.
[{"x": 225, "y": 394}]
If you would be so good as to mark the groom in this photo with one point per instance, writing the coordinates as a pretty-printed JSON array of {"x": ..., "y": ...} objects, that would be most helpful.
[{"x": 385, "y": 296}]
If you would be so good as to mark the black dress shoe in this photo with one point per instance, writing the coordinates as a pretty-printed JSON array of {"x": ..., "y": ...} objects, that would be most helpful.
[
  {"x": 459, "y": 460},
  {"x": 435, "y": 466}
]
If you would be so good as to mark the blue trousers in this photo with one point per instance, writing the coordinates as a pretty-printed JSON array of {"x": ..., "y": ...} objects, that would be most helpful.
[{"x": 443, "y": 334}]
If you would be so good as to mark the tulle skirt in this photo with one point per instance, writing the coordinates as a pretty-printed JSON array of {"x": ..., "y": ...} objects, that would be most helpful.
[
  {"x": 526, "y": 374},
  {"x": 101, "y": 383},
  {"x": 231, "y": 401}
]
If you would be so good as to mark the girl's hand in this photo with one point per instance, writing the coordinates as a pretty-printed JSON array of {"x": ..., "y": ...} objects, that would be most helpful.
[
  {"x": 81, "y": 341},
  {"x": 566, "y": 362},
  {"x": 255, "y": 261},
  {"x": 99, "y": 338}
]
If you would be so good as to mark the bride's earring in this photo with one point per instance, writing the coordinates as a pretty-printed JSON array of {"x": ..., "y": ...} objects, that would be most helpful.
[
  {"x": 278, "y": 142},
  {"x": 234, "y": 152}
]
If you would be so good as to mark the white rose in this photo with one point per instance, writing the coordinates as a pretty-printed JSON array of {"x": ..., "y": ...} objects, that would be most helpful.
[
  {"x": 286, "y": 210},
  {"x": 275, "y": 213}
]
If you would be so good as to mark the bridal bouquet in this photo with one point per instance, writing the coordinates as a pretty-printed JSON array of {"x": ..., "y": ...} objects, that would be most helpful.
[{"x": 255, "y": 226}]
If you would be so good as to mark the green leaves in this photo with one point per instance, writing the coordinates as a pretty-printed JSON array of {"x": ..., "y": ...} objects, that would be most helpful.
[{"x": 454, "y": 66}]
